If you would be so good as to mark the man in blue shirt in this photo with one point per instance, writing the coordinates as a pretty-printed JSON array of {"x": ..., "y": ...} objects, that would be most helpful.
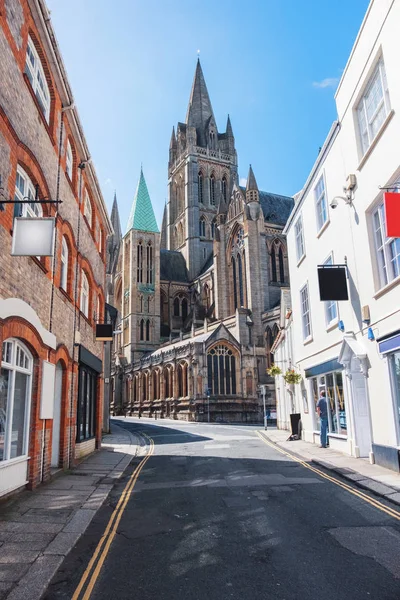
[{"x": 322, "y": 410}]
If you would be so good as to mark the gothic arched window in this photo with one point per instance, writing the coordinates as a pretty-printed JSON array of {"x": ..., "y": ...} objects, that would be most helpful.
[
  {"x": 273, "y": 264},
  {"x": 140, "y": 262},
  {"x": 142, "y": 330},
  {"x": 224, "y": 188},
  {"x": 221, "y": 370},
  {"x": 281, "y": 266},
  {"x": 212, "y": 189},
  {"x": 148, "y": 330},
  {"x": 184, "y": 307},
  {"x": 180, "y": 234},
  {"x": 202, "y": 227},
  {"x": 176, "y": 307},
  {"x": 213, "y": 223},
  {"x": 182, "y": 380},
  {"x": 240, "y": 277},
  {"x": 200, "y": 182},
  {"x": 234, "y": 283},
  {"x": 149, "y": 252},
  {"x": 212, "y": 140}
]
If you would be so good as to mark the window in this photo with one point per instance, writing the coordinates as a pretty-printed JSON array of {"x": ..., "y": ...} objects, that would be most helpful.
[
  {"x": 184, "y": 308},
  {"x": 147, "y": 330},
  {"x": 176, "y": 307},
  {"x": 305, "y": 312},
  {"x": 202, "y": 227},
  {"x": 332, "y": 383},
  {"x": 142, "y": 330},
  {"x": 281, "y": 265},
  {"x": 320, "y": 203},
  {"x": 200, "y": 182},
  {"x": 15, "y": 399},
  {"x": 224, "y": 188},
  {"x": 331, "y": 308},
  {"x": 64, "y": 264},
  {"x": 69, "y": 160},
  {"x": 140, "y": 262},
  {"x": 213, "y": 224},
  {"x": 394, "y": 364},
  {"x": 35, "y": 74},
  {"x": 149, "y": 250},
  {"x": 373, "y": 107},
  {"x": 387, "y": 249},
  {"x": 101, "y": 240},
  {"x": 182, "y": 372},
  {"x": 273, "y": 264},
  {"x": 87, "y": 210},
  {"x": 85, "y": 295},
  {"x": 87, "y": 395},
  {"x": 221, "y": 370},
  {"x": 212, "y": 190},
  {"x": 25, "y": 190},
  {"x": 299, "y": 236}
]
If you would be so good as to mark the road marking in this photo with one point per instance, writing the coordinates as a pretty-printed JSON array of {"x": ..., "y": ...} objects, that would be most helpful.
[
  {"x": 379, "y": 505},
  {"x": 110, "y": 531}
]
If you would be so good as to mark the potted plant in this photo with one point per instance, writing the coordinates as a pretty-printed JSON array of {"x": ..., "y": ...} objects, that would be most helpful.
[
  {"x": 292, "y": 377},
  {"x": 273, "y": 371}
]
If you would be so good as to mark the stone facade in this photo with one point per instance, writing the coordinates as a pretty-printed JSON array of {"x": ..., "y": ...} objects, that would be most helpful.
[
  {"x": 36, "y": 136},
  {"x": 220, "y": 267}
]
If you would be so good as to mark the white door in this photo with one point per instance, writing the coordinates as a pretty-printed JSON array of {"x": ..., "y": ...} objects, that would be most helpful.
[
  {"x": 361, "y": 411},
  {"x": 55, "y": 449}
]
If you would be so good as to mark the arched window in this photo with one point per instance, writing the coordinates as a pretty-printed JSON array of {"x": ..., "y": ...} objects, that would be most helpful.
[
  {"x": 184, "y": 308},
  {"x": 224, "y": 188},
  {"x": 84, "y": 294},
  {"x": 140, "y": 262},
  {"x": 213, "y": 223},
  {"x": 269, "y": 340},
  {"x": 64, "y": 264},
  {"x": 240, "y": 277},
  {"x": 141, "y": 304},
  {"x": 281, "y": 266},
  {"x": 234, "y": 283},
  {"x": 167, "y": 390},
  {"x": 142, "y": 330},
  {"x": 182, "y": 380},
  {"x": 180, "y": 234},
  {"x": 69, "y": 161},
  {"x": 35, "y": 73},
  {"x": 15, "y": 399},
  {"x": 163, "y": 309},
  {"x": 202, "y": 227},
  {"x": 148, "y": 301},
  {"x": 148, "y": 330},
  {"x": 176, "y": 307},
  {"x": 87, "y": 210},
  {"x": 25, "y": 190},
  {"x": 156, "y": 387},
  {"x": 273, "y": 264},
  {"x": 212, "y": 189},
  {"x": 200, "y": 182},
  {"x": 206, "y": 296},
  {"x": 221, "y": 370},
  {"x": 149, "y": 251}
]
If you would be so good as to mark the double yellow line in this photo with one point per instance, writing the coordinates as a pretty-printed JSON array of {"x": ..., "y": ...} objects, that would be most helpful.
[
  {"x": 372, "y": 501},
  {"x": 103, "y": 547}
]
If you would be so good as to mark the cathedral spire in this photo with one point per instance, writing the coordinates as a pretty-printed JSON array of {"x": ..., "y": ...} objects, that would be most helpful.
[
  {"x": 163, "y": 243},
  {"x": 172, "y": 143},
  {"x": 229, "y": 130},
  {"x": 199, "y": 110},
  {"x": 115, "y": 220},
  {"x": 142, "y": 215},
  {"x": 252, "y": 193}
]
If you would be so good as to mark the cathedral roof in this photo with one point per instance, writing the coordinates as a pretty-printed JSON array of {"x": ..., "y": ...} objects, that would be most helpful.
[
  {"x": 276, "y": 208},
  {"x": 173, "y": 266},
  {"x": 142, "y": 214}
]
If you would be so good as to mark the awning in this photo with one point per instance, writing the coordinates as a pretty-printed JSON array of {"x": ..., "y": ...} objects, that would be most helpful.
[{"x": 326, "y": 367}]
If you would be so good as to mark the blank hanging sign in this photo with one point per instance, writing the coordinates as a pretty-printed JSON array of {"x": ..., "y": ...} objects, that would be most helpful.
[
  {"x": 392, "y": 214},
  {"x": 332, "y": 282}
]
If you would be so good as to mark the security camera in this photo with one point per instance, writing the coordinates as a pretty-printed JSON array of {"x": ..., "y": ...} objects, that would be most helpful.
[{"x": 334, "y": 203}]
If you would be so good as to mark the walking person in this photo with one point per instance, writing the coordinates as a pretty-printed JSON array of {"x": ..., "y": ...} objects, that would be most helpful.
[{"x": 322, "y": 410}]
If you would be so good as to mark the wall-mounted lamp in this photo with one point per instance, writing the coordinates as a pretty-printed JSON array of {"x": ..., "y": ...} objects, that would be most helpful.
[
  {"x": 341, "y": 326},
  {"x": 371, "y": 336}
]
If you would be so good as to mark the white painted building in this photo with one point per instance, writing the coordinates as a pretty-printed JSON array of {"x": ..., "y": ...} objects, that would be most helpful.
[{"x": 361, "y": 376}]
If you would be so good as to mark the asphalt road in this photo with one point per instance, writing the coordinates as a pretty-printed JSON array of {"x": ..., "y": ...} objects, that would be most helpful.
[{"x": 218, "y": 515}]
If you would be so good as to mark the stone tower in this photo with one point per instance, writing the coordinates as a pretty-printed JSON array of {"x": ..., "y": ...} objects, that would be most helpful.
[
  {"x": 202, "y": 170},
  {"x": 141, "y": 278}
]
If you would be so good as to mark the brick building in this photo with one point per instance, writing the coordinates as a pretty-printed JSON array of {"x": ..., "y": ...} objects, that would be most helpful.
[
  {"x": 198, "y": 302},
  {"x": 50, "y": 362}
]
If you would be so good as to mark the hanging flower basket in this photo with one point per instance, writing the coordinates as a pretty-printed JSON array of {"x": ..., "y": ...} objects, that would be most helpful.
[
  {"x": 292, "y": 377},
  {"x": 273, "y": 371}
]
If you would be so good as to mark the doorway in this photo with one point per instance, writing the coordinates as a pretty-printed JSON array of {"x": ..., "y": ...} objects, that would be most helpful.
[
  {"x": 55, "y": 448},
  {"x": 362, "y": 427}
]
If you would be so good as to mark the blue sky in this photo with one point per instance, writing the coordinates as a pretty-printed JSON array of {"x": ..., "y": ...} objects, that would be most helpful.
[{"x": 273, "y": 65}]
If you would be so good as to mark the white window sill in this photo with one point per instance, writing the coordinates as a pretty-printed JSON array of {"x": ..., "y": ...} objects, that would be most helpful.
[
  {"x": 14, "y": 461},
  {"x": 338, "y": 436},
  {"x": 387, "y": 287},
  {"x": 375, "y": 140},
  {"x": 324, "y": 226},
  {"x": 308, "y": 340},
  {"x": 301, "y": 260},
  {"x": 332, "y": 325}
]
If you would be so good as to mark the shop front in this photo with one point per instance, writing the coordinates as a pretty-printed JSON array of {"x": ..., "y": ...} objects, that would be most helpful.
[{"x": 90, "y": 367}]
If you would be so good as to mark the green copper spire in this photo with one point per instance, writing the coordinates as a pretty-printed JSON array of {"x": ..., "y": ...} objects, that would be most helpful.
[{"x": 142, "y": 213}]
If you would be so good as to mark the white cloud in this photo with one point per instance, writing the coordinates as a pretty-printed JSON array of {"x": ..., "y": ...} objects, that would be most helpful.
[
  {"x": 243, "y": 181},
  {"x": 328, "y": 82}
]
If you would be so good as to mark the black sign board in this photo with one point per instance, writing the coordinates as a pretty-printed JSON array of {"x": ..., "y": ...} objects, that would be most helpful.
[
  {"x": 333, "y": 282},
  {"x": 104, "y": 332}
]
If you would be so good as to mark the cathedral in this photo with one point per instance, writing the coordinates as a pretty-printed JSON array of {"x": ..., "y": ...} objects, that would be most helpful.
[{"x": 198, "y": 302}]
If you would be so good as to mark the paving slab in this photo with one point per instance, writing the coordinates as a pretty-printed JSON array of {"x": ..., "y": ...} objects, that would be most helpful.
[
  {"x": 62, "y": 543},
  {"x": 36, "y": 579}
]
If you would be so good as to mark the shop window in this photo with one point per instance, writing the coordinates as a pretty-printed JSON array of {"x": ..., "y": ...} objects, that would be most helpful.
[
  {"x": 87, "y": 394},
  {"x": 15, "y": 399},
  {"x": 332, "y": 383},
  {"x": 394, "y": 363}
]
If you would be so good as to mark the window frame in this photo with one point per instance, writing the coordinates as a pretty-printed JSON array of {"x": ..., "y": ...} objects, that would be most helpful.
[
  {"x": 88, "y": 210},
  {"x": 321, "y": 383},
  {"x": 364, "y": 123},
  {"x": 35, "y": 210},
  {"x": 85, "y": 293},
  {"x": 307, "y": 337},
  {"x": 37, "y": 78},
  {"x": 64, "y": 264},
  {"x": 69, "y": 160},
  {"x": 212, "y": 189},
  {"x": 329, "y": 303},
  {"x": 299, "y": 234},
  {"x": 318, "y": 199}
]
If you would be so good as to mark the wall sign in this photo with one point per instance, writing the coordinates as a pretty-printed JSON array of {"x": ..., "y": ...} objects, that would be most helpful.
[{"x": 333, "y": 282}]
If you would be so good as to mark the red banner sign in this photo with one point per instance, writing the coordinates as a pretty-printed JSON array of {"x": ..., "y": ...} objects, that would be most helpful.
[{"x": 392, "y": 212}]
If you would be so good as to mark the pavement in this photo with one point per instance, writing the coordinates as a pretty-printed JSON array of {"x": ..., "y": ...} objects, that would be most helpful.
[
  {"x": 214, "y": 512},
  {"x": 39, "y": 528},
  {"x": 360, "y": 471}
]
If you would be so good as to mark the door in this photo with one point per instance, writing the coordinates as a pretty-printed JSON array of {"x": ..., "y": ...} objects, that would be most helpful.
[
  {"x": 362, "y": 426},
  {"x": 55, "y": 449}
]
